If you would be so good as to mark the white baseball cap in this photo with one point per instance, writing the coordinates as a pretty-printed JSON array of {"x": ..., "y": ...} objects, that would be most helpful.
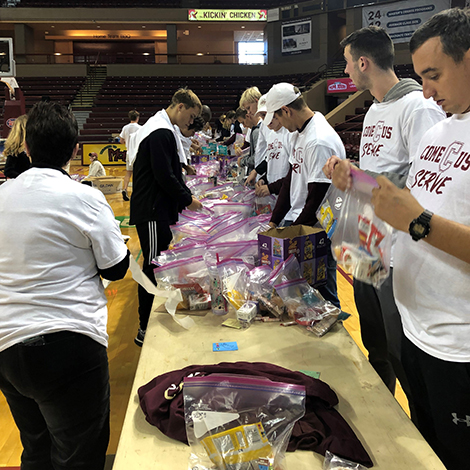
[
  {"x": 281, "y": 94},
  {"x": 262, "y": 105}
]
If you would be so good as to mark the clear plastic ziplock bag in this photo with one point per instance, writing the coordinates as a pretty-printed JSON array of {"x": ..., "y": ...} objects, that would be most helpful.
[
  {"x": 330, "y": 208},
  {"x": 240, "y": 422},
  {"x": 234, "y": 281},
  {"x": 288, "y": 270},
  {"x": 307, "y": 306},
  {"x": 191, "y": 277},
  {"x": 263, "y": 292},
  {"x": 362, "y": 243},
  {"x": 333, "y": 462}
]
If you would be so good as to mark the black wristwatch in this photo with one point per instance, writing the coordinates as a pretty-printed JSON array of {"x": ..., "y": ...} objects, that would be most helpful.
[{"x": 421, "y": 226}]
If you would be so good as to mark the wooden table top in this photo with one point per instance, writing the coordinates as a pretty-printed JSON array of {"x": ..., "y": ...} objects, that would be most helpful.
[{"x": 379, "y": 422}]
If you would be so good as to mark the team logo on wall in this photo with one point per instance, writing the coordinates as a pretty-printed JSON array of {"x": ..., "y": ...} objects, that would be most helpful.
[{"x": 10, "y": 122}]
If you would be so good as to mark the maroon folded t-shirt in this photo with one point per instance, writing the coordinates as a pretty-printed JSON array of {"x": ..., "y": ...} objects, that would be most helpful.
[{"x": 322, "y": 428}]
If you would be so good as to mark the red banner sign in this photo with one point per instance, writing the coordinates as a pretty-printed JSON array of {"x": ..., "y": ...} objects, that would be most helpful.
[{"x": 341, "y": 85}]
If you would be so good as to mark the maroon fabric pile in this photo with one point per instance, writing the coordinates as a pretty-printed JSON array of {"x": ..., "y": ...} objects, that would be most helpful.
[{"x": 322, "y": 428}]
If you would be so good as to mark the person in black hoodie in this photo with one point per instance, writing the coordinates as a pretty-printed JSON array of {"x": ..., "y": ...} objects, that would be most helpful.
[{"x": 159, "y": 192}]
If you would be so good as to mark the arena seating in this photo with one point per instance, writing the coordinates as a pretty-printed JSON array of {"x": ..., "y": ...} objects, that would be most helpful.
[
  {"x": 118, "y": 95},
  {"x": 60, "y": 89}
]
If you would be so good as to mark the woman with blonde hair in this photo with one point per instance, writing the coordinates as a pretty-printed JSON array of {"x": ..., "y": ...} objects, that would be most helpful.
[{"x": 17, "y": 160}]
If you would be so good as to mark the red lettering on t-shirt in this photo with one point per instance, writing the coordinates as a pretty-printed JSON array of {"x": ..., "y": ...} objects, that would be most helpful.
[
  {"x": 273, "y": 156},
  {"x": 432, "y": 181},
  {"x": 463, "y": 161},
  {"x": 372, "y": 149},
  {"x": 452, "y": 150}
]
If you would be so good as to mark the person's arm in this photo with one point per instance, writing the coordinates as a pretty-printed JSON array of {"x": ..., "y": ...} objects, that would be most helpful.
[
  {"x": 249, "y": 160},
  {"x": 261, "y": 145},
  {"x": 262, "y": 168},
  {"x": 316, "y": 193},
  {"x": 275, "y": 186},
  {"x": 398, "y": 207},
  {"x": 10, "y": 170},
  {"x": 163, "y": 151},
  {"x": 251, "y": 178},
  {"x": 118, "y": 271},
  {"x": 230, "y": 140},
  {"x": 282, "y": 206},
  {"x": 109, "y": 249}
]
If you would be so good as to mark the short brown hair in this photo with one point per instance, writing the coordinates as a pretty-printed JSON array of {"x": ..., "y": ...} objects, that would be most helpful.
[
  {"x": 133, "y": 115},
  {"x": 240, "y": 113},
  {"x": 186, "y": 97},
  {"x": 372, "y": 42},
  {"x": 452, "y": 27}
]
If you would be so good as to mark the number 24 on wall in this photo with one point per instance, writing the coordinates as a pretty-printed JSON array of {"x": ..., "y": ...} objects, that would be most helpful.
[{"x": 373, "y": 17}]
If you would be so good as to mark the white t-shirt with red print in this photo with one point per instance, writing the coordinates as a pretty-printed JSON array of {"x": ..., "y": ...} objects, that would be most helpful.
[
  {"x": 432, "y": 288},
  {"x": 277, "y": 154},
  {"x": 311, "y": 149},
  {"x": 392, "y": 131}
]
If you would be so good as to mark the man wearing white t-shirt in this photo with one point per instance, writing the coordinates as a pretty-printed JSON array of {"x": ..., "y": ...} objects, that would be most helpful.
[
  {"x": 126, "y": 132},
  {"x": 276, "y": 160},
  {"x": 393, "y": 127},
  {"x": 432, "y": 255},
  {"x": 314, "y": 141},
  {"x": 56, "y": 238}
]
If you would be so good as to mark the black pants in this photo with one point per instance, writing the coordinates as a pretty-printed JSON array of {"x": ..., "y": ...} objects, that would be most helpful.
[
  {"x": 57, "y": 388},
  {"x": 442, "y": 406},
  {"x": 330, "y": 289},
  {"x": 382, "y": 333},
  {"x": 154, "y": 237}
]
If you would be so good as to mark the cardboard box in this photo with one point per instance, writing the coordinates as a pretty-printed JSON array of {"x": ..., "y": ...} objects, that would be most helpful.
[
  {"x": 107, "y": 184},
  {"x": 308, "y": 244}
]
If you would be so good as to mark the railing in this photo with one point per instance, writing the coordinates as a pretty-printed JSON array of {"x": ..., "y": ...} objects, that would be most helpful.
[{"x": 131, "y": 58}]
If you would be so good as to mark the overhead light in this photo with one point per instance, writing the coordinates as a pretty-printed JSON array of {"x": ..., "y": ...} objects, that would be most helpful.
[
  {"x": 243, "y": 27},
  {"x": 52, "y": 26},
  {"x": 57, "y": 53},
  {"x": 262, "y": 34},
  {"x": 199, "y": 53},
  {"x": 143, "y": 26},
  {"x": 46, "y": 32},
  {"x": 199, "y": 27},
  {"x": 146, "y": 53},
  {"x": 98, "y": 26}
]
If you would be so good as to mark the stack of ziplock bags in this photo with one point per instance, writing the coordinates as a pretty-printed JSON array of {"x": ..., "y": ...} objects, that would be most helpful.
[{"x": 214, "y": 261}]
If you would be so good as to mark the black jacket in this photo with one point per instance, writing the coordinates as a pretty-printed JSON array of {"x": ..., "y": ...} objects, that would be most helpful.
[
  {"x": 159, "y": 192},
  {"x": 16, "y": 164}
]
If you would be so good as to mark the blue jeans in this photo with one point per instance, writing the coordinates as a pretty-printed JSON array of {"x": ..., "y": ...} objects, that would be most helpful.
[{"x": 57, "y": 388}]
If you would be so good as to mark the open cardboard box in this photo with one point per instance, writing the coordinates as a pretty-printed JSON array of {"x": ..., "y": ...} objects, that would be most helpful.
[{"x": 308, "y": 244}]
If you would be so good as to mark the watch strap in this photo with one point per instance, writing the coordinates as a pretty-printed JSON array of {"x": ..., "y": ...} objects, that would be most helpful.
[{"x": 424, "y": 221}]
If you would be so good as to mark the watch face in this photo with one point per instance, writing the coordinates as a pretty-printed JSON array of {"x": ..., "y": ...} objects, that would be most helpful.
[{"x": 419, "y": 229}]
